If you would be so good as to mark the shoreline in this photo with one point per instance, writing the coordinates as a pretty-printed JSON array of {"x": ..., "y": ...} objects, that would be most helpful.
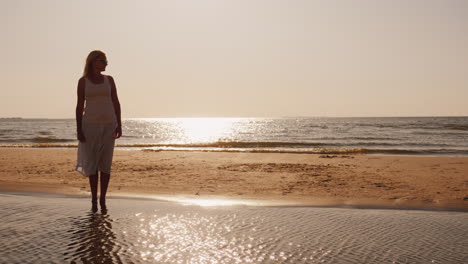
[
  {"x": 217, "y": 201},
  {"x": 227, "y": 150},
  {"x": 371, "y": 181},
  {"x": 345, "y": 151}
]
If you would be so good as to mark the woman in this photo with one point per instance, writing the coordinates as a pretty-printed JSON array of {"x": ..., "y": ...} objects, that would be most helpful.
[{"x": 98, "y": 124}]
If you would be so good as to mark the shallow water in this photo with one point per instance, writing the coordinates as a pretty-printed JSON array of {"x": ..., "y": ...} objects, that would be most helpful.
[{"x": 44, "y": 229}]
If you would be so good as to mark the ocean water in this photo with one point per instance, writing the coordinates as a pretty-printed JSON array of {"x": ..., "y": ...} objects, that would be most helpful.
[
  {"x": 407, "y": 136},
  {"x": 59, "y": 229}
]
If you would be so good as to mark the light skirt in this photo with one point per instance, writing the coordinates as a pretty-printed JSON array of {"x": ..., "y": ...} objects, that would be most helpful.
[{"x": 96, "y": 153}]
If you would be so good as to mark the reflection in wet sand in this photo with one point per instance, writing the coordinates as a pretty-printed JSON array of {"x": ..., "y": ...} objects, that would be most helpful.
[
  {"x": 57, "y": 230},
  {"x": 94, "y": 240}
]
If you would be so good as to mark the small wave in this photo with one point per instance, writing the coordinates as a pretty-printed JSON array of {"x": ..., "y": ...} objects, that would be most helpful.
[
  {"x": 437, "y": 127},
  {"x": 418, "y": 125},
  {"x": 457, "y": 127},
  {"x": 323, "y": 151},
  {"x": 231, "y": 144},
  {"x": 358, "y": 138},
  {"x": 10, "y": 118},
  {"x": 265, "y": 150},
  {"x": 395, "y": 145},
  {"x": 174, "y": 147},
  {"x": 50, "y": 139},
  {"x": 6, "y": 131},
  {"x": 126, "y": 136},
  {"x": 10, "y": 140},
  {"x": 441, "y": 133},
  {"x": 38, "y": 145}
]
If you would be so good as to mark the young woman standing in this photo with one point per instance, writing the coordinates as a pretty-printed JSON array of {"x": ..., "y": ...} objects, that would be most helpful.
[{"x": 98, "y": 124}]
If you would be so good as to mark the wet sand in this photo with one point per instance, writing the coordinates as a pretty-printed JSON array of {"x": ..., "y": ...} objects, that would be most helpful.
[
  {"x": 44, "y": 228},
  {"x": 278, "y": 178}
]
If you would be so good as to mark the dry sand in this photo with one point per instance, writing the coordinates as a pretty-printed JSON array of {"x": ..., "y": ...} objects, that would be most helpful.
[{"x": 298, "y": 179}]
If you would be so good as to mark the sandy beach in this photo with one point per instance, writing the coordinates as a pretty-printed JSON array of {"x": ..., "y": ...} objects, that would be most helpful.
[{"x": 288, "y": 179}]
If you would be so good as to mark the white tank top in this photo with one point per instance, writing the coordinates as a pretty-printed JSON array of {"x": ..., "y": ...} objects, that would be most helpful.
[{"x": 99, "y": 108}]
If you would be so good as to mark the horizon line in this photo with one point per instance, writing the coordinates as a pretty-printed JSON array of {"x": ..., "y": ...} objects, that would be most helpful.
[{"x": 298, "y": 116}]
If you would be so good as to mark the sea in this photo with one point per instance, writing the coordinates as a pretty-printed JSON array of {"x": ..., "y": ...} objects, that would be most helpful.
[{"x": 439, "y": 136}]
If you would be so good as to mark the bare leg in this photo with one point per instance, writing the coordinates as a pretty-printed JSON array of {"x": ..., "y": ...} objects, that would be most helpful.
[
  {"x": 93, "y": 183},
  {"x": 105, "y": 177}
]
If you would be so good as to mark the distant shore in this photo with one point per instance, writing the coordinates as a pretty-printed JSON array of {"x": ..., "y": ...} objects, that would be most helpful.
[{"x": 276, "y": 178}]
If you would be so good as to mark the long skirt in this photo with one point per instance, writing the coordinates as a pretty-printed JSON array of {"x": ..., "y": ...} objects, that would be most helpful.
[{"x": 95, "y": 154}]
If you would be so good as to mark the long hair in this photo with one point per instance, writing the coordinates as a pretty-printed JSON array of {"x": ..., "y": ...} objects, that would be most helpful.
[{"x": 93, "y": 55}]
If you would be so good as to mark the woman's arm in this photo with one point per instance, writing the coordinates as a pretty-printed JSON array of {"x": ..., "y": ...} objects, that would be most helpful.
[
  {"x": 115, "y": 101},
  {"x": 79, "y": 109}
]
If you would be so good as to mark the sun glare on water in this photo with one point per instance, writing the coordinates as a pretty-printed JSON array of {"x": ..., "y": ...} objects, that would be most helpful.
[
  {"x": 204, "y": 129},
  {"x": 214, "y": 202}
]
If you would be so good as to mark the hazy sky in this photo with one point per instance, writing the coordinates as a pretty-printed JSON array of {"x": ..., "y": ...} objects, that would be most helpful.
[{"x": 239, "y": 58}]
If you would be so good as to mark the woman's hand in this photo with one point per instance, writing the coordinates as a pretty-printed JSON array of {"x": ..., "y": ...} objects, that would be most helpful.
[
  {"x": 81, "y": 136},
  {"x": 118, "y": 132}
]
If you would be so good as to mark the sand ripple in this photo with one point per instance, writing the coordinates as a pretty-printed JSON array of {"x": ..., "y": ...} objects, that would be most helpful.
[{"x": 44, "y": 229}]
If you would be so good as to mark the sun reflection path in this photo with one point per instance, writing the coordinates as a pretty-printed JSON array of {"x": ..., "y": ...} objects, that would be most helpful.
[
  {"x": 194, "y": 235},
  {"x": 188, "y": 238},
  {"x": 215, "y": 202},
  {"x": 205, "y": 129}
]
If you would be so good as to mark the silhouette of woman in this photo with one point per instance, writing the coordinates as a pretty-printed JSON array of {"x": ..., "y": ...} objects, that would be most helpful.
[{"x": 98, "y": 124}]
